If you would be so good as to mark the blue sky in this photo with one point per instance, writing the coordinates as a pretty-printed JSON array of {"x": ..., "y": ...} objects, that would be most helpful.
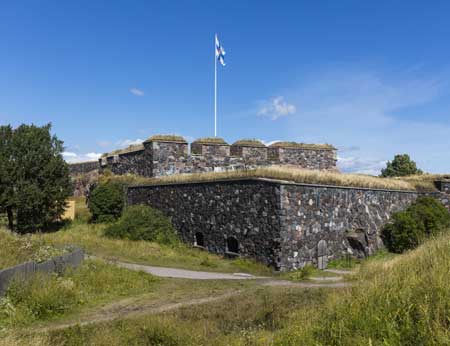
[{"x": 371, "y": 78}]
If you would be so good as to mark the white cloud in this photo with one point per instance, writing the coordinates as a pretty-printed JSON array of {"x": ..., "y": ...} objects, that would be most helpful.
[
  {"x": 71, "y": 157},
  {"x": 69, "y": 154},
  {"x": 360, "y": 165},
  {"x": 127, "y": 142},
  {"x": 276, "y": 108},
  {"x": 269, "y": 143},
  {"x": 137, "y": 92}
]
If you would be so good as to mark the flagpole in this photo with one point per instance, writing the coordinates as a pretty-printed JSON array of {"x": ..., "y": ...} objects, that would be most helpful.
[{"x": 215, "y": 88}]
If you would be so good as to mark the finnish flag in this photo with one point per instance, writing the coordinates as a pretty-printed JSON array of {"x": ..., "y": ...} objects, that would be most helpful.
[{"x": 220, "y": 52}]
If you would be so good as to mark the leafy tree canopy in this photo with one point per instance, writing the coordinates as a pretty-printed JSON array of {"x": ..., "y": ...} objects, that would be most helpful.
[
  {"x": 401, "y": 165},
  {"x": 34, "y": 178}
]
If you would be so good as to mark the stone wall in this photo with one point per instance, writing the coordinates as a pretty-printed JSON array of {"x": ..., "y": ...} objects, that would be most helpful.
[
  {"x": 444, "y": 192},
  {"x": 343, "y": 220},
  {"x": 160, "y": 158},
  {"x": 277, "y": 223},
  {"x": 245, "y": 210},
  {"x": 83, "y": 167},
  {"x": 305, "y": 158},
  {"x": 135, "y": 162}
]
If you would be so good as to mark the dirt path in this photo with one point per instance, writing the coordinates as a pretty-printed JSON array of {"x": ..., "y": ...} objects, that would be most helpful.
[
  {"x": 135, "y": 306},
  {"x": 129, "y": 308}
]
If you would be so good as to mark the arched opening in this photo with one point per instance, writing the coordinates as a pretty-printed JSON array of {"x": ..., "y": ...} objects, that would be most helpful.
[
  {"x": 232, "y": 245},
  {"x": 199, "y": 239},
  {"x": 322, "y": 258}
]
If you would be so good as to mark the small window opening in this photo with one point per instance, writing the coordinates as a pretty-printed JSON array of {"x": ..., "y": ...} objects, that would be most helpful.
[
  {"x": 199, "y": 239},
  {"x": 232, "y": 245}
]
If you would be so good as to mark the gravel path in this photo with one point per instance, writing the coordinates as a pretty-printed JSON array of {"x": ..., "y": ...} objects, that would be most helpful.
[
  {"x": 328, "y": 282},
  {"x": 185, "y": 274}
]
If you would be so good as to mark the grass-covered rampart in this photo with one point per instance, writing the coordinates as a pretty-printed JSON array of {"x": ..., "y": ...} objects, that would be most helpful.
[{"x": 295, "y": 175}]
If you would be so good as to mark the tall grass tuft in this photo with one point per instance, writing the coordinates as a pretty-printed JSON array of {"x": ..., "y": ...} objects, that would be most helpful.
[{"x": 403, "y": 301}]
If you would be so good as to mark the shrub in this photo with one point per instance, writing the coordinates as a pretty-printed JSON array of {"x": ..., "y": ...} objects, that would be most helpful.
[
  {"x": 41, "y": 297},
  {"x": 402, "y": 165},
  {"x": 140, "y": 222},
  {"x": 106, "y": 202},
  {"x": 302, "y": 273},
  {"x": 424, "y": 218}
]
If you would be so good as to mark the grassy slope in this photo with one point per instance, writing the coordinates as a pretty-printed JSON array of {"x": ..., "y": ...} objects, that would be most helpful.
[
  {"x": 91, "y": 238},
  {"x": 47, "y": 296},
  {"x": 404, "y": 300},
  {"x": 17, "y": 249}
]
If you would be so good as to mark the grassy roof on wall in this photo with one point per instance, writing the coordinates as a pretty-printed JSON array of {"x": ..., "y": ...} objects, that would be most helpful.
[
  {"x": 295, "y": 175},
  {"x": 249, "y": 143},
  {"x": 210, "y": 140},
  {"x": 166, "y": 138},
  {"x": 302, "y": 146},
  {"x": 129, "y": 149}
]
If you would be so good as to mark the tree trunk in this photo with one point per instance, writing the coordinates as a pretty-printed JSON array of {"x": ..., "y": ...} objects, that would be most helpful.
[{"x": 10, "y": 214}]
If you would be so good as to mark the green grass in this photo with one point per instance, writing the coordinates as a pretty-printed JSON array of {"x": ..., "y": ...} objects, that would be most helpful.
[
  {"x": 210, "y": 140},
  {"x": 91, "y": 238},
  {"x": 252, "y": 318},
  {"x": 296, "y": 145},
  {"x": 249, "y": 143},
  {"x": 167, "y": 138},
  {"x": 129, "y": 149},
  {"x": 82, "y": 212},
  {"x": 47, "y": 296},
  {"x": 17, "y": 249}
]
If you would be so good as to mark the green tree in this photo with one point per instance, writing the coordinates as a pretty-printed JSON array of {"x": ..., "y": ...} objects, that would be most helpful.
[
  {"x": 6, "y": 174},
  {"x": 401, "y": 165},
  {"x": 37, "y": 182},
  {"x": 106, "y": 202}
]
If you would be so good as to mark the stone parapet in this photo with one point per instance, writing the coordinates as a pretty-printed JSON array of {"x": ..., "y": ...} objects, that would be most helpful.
[{"x": 166, "y": 155}]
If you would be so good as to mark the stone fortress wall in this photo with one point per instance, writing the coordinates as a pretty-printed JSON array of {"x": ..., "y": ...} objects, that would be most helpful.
[
  {"x": 285, "y": 225},
  {"x": 166, "y": 155}
]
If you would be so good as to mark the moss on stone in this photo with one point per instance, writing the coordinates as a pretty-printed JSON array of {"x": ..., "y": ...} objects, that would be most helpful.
[
  {"x": 302, "y": 146},
  {"x": 249, "y": 143},
  {"x": 210, "y": 140},
  {"x": 166, "y": 138},
  {"x": 129, "y": 149}
]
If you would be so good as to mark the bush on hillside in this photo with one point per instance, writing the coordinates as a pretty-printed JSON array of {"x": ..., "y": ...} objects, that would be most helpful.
[
  {"x": 424, "y": 218},
  {"x": 106, "y": 202},
  {"x": 140, "y": 222}
]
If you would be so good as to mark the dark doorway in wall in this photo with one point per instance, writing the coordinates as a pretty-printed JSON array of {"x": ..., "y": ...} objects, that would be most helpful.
[
  {"x": 199, "y": 239},
  {"x": 232, "y": 245}
]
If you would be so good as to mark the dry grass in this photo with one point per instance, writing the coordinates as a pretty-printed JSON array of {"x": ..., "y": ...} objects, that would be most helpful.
[
  {"x": 302, "y": 146},
  {"x": 249, "y": 143},
  {"x": 210, "y": 140},
  {"x": 166, "y": 138},
  {"x": 286, "y": 174},
  {"x": 129, "y": 149},
  {"x": 424, "y": 182}
]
